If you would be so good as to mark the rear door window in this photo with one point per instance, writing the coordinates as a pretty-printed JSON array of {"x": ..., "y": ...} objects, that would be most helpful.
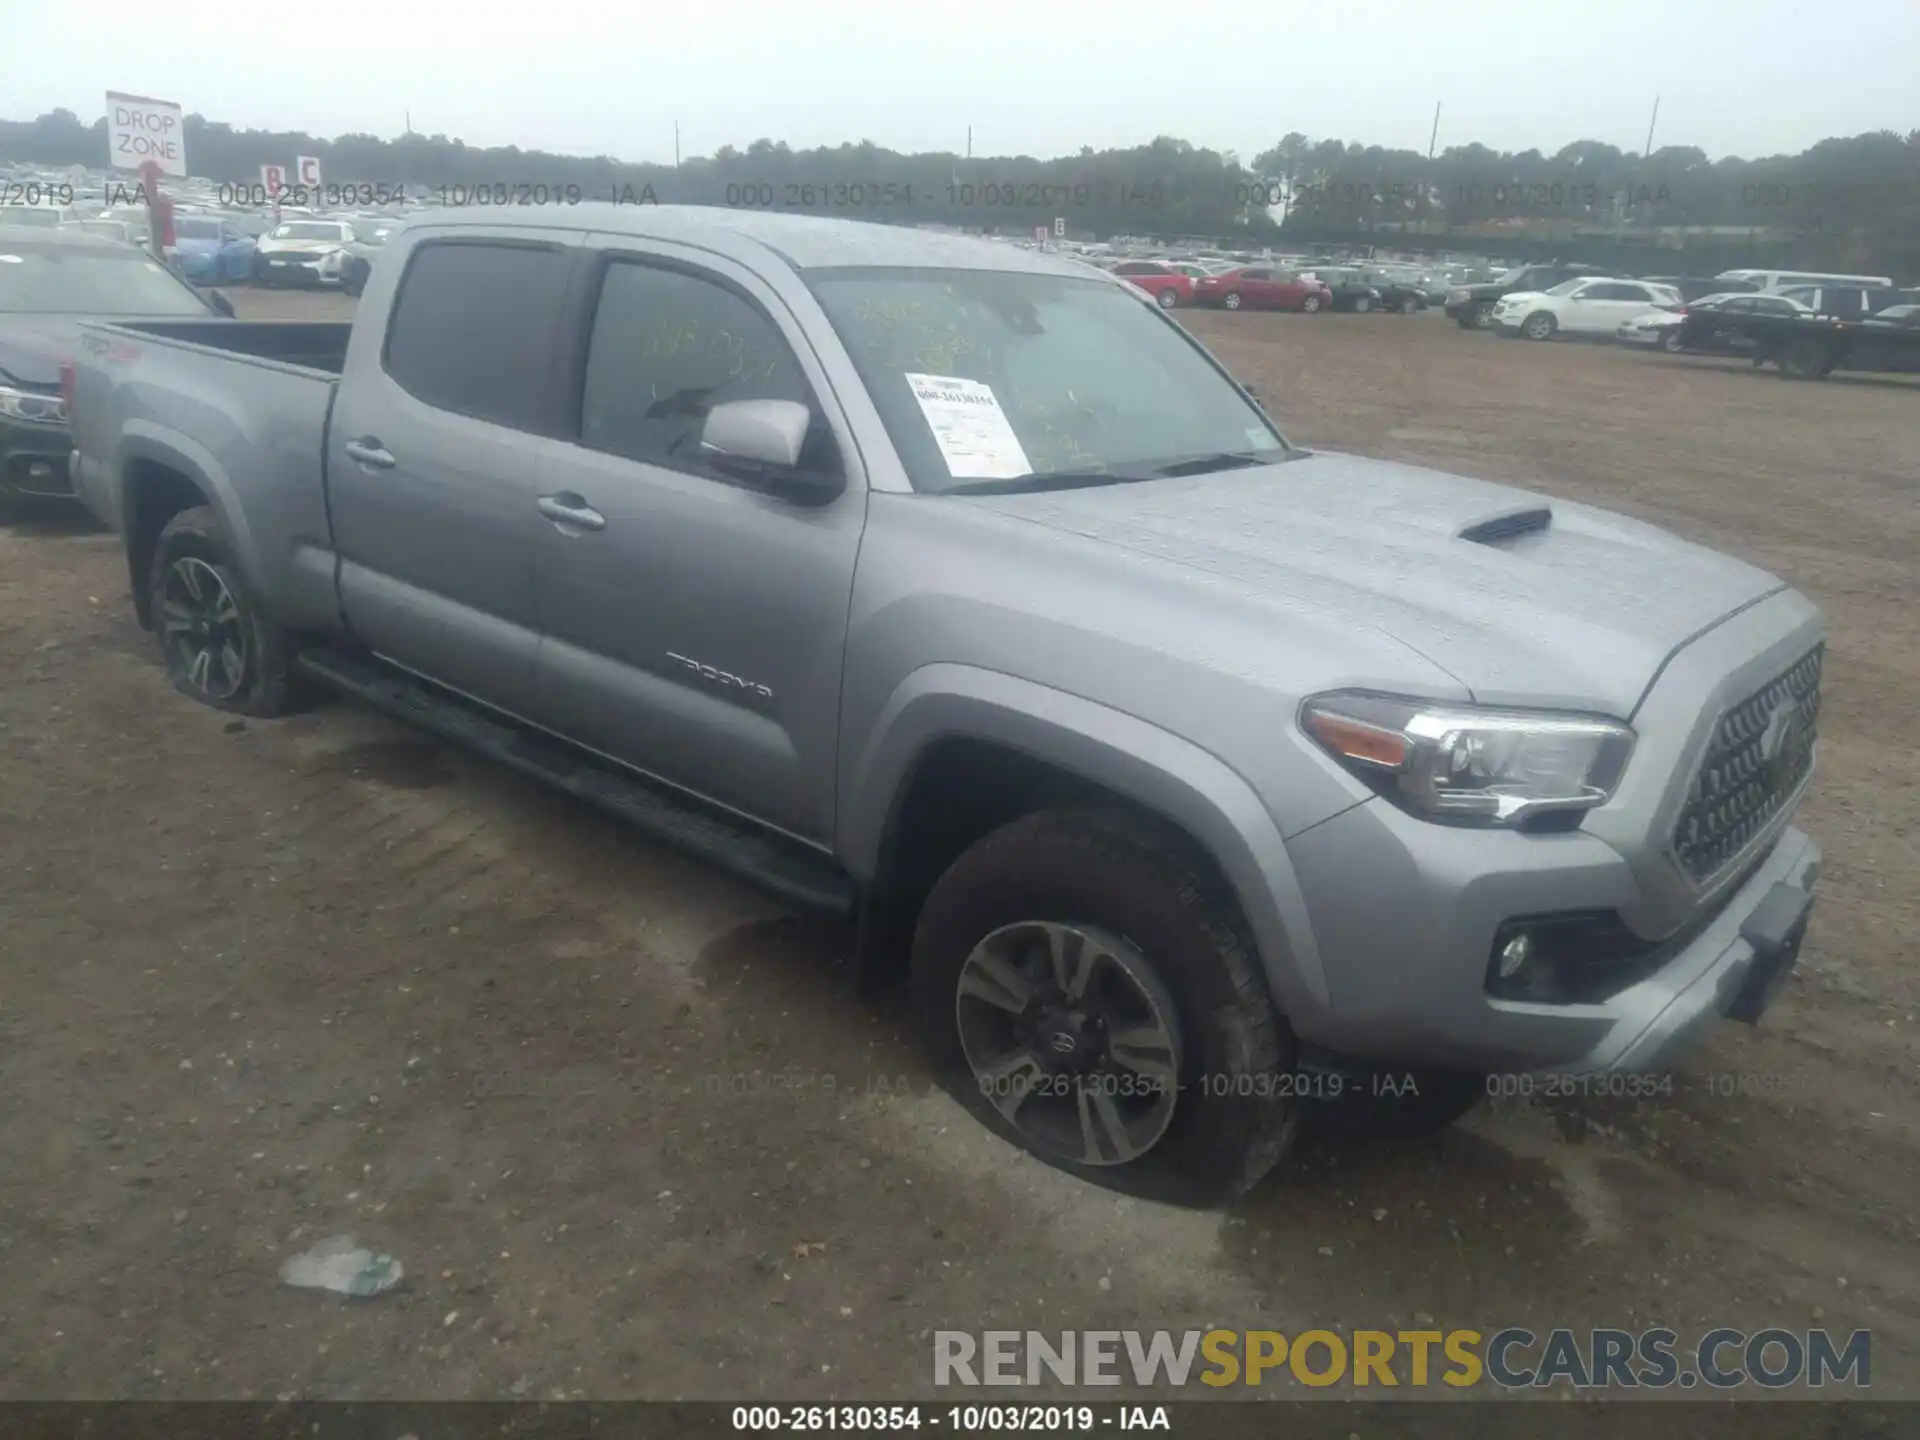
[{"x": 474, "y": 326}]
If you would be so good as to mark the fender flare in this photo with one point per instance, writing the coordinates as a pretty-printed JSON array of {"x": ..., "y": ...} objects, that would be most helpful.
[
  {"x": 1152, "y": 767},
  {"x": 143, "y": 441}
]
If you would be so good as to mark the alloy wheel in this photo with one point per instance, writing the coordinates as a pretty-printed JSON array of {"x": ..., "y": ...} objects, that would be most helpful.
[
  {"x": 1072, "y": 1038},
  {"x": 206, "y": 641}
]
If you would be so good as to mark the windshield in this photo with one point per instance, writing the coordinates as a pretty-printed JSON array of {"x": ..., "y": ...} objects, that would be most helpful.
[
  {"x": 1566, "y": 287},
  {"x": 307, "y": 230},
  {"x": 372, "y": 232},
  {"x": 992, "y": 375},
  {"x": 76, "y": 281},
  {"x": 28, "y": 215}
]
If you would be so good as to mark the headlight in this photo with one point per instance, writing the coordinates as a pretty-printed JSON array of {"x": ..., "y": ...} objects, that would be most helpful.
[
  {"x": 1465, "y": 765},
  {"x": 33, "y": 406}
]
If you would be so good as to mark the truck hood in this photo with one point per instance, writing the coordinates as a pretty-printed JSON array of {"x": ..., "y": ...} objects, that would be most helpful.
[
  {"x": 1577, "y": 612},
  {"x": 33, "y": 347}
]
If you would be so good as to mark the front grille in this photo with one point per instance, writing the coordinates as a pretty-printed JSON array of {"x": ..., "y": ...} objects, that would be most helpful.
[{"x": 1760, "y": 752}]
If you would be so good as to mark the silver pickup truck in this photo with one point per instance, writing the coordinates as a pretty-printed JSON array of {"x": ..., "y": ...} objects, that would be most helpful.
[{"x": 1205, "y": 788}]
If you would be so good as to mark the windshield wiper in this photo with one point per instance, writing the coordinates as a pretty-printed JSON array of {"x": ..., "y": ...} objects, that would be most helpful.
[
  {"x": 1050, "y": 480},
  {"x": 1081, "y": 479},
  {"x": 1219, "y": 460}
]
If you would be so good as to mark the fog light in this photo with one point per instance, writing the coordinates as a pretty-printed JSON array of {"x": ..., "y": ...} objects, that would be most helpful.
[{"x": 1514, "y": 955}]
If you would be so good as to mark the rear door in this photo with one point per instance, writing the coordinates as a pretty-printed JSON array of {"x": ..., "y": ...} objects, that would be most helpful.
[
  {"x": 696, "y": 631},
  {"x": 1257, "y": 286},
  {"x": 1601, "y": 305},
  {"x": 438, "y": 452}
]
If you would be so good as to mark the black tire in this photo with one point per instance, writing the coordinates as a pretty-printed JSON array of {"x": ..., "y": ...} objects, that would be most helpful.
[
  {"x": 1232, "y": 302},
  {"x": 1806, "y": 360},
  {"x": 1168, "y": 298},
  {"x": 1310, "y": 305},
  {"x": 1362, "y": 304},
  {"x": 192, "y": 544},
  {"x": 1481, "y": 316},
  {"x": 1137, "y": 883},
  {"x": 1671, "y": 343},
  {"x": 1539, "y": 326},
  {"x": 1392, "y": 1105}
]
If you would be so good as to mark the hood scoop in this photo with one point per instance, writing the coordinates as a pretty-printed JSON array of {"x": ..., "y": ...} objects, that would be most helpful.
[{"x": 1498, "y": 530}]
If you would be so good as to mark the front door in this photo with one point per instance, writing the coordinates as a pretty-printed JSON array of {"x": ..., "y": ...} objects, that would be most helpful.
[{"x": 695, "y": 626}]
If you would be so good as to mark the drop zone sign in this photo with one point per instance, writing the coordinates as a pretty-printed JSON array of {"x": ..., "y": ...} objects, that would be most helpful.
[{"x": 140, "y": 129}]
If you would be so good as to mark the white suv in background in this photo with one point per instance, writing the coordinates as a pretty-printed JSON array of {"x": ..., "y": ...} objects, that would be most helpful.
[{"x": 1587, "y": 305}]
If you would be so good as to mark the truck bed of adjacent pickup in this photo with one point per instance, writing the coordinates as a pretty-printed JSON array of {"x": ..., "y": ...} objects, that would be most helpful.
[{"x": 1809, "y": 347}]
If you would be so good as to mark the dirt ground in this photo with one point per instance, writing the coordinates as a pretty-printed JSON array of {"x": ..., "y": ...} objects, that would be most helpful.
[{"x": 261, "y": 983}]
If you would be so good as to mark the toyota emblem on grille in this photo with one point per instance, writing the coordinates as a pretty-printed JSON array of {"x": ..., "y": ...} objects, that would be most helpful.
[{"x": 1783, "y": 744}]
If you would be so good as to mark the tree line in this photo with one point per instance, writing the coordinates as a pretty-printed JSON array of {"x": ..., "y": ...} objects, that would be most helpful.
[{"x": 1845, "y": 203}]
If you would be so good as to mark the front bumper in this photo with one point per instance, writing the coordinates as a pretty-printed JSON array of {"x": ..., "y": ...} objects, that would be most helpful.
[
  {"x": 1405, "y": 915},
  {"x": 33, "y": 461},
  {"x": 294, "y": 270}
]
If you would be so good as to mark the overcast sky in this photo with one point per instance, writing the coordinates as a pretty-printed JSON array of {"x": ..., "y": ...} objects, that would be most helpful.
[{"x": 1746, "y": 77}]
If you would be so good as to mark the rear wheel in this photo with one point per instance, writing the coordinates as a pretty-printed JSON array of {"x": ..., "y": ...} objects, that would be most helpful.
[
  {"x": 1481, "y": 316},
  {"x": 1310, "y": 304},
  {"x": 1362, "y": 304},
  {"x": 1806, "y": 360},
  {"x": 218, "y": 648},
  {"x": 1086, "y": 993}
]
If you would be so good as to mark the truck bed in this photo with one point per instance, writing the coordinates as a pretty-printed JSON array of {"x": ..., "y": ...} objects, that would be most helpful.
[
  {"x": 314, "y": 344},
  {"x": 236, "y": 409}
]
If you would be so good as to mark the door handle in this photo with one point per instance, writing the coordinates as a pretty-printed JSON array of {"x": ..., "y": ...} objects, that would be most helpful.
[
  {"x": 570, "y": 512},
  {"x": 369, "y": 452}
]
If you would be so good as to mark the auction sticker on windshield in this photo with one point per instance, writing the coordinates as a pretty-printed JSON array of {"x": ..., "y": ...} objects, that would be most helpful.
[{"x": 970, "y": 428}]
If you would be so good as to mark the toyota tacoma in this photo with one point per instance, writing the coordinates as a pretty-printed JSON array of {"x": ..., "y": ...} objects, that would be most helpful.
[{"x": 1202, "y": 787}]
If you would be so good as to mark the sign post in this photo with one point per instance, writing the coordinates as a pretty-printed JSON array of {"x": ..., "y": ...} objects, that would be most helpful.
[
  {"x": 307, "y": 167},
  {"x": 1059, "y": 227},
  {"x": 160, "y": 237},
  {"x": 273, "y": 180},
  {"x": 142, "y": 130}
]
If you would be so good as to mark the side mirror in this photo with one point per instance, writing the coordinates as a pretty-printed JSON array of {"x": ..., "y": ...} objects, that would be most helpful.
[
  {"x": 220, "y": 303},
  {"x": 759, "y": 441}
]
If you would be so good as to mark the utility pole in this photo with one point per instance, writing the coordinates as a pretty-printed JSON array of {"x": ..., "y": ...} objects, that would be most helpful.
[
  {"x": 1650, "y": 124},
  {"x": 1434, "y": 138},
  {"x": 409, "y": 122},
  {"x": 676, "y": 144},
  {"x": 969, "y": 142}
]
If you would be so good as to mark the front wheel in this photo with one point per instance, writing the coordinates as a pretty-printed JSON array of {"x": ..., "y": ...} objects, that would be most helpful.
[
  {"x": 1362, "y": 304},
  {"x": 1539, "y": 326},
  {"x": 218, "y": 648},
  {"x": 1671, "y": 343},
  {"x": 1168, "y": 299},
  {"x": 1232, "y": 302},
  {"x": 1085, "y": 991},
  {"x": 1482, "y": 315},
  {"x": 1310, "y": 304}
]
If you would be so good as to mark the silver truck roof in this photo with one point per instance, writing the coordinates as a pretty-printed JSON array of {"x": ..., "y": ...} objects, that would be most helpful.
[{"x": 804, "y": 242}]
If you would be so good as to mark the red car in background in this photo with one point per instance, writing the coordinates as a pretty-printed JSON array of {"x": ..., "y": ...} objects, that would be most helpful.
[
  {"x": 1166, "y": 284},
  {"x": 1262, "y": 287}
]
